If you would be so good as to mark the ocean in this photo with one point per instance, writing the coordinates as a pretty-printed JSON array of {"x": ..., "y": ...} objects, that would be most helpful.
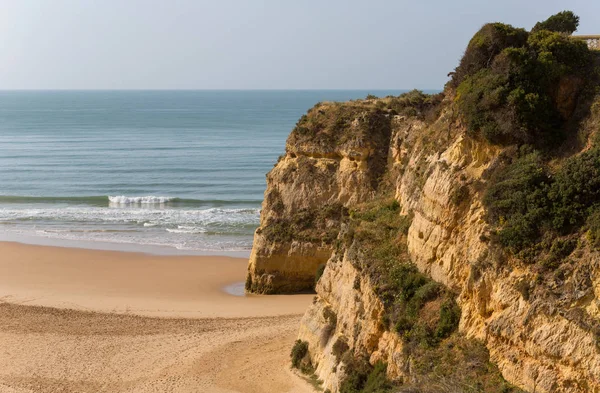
[{"x": 157, "y": 171}]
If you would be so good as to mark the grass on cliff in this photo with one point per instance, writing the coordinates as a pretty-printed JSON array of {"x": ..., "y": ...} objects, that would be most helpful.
[
  {"x": 422, "y": 311},
  {"x": 309, "y": 225},
  {"x": 335, "y": 124},
  {"x": 536, "y": 209},
  {"x": 458, "y": 364},
  {"x": 514, "y": 86}
]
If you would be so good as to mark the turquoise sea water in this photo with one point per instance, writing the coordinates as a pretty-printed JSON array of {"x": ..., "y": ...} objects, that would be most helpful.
[{"x": 181, "y": 170}]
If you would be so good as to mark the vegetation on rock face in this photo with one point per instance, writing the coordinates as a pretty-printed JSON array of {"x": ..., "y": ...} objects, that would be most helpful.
[
  {"x": 534, "y": 207},
  {"x": 364, "y": 378},
  {"x": 329, "y": 127},
  {"x": 379, "y": 232},
  {"x": 332, "y": 126},
  {"x": 310, "y": 225},
  {"x": 528, "y": 89},
  {"x": 422, "y": 311},
  {"x": 459, "y": 365},
  {"x": 513, "y": 86},
  {"x": 300, "y": 357}
]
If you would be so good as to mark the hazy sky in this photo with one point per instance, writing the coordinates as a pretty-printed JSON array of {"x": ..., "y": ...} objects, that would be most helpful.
[{"x": 237, "y": 44}]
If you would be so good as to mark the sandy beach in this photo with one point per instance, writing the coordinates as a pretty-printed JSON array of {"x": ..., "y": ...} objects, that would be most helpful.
[{"x": 75, "y": 320}]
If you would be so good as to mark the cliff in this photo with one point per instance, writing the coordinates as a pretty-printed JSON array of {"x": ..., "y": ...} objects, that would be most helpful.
[
  {"x": 334, "y": 158},
  {"x": 459, "y": 232}
]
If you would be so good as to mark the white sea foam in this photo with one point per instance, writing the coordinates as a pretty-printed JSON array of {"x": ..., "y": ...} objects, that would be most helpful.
[
  {"x": 190, "y": 230},
  {"x": 142, "y": 200},
  {"x": 181, "y": 228},
  {"x": 216, "y": 217}
]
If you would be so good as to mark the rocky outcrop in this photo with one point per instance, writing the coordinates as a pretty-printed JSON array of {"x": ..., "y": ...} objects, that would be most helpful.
[
  {"x": 536, "y": 342},
  {"x": 541, "y": 329},
  {"x": 334, "y": 158}
]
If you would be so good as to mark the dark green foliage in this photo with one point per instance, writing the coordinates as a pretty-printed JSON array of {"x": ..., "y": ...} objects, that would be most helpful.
[
  {"x": 377, "y": 381},
  {"x": 528, "y": 203},
  {"x": 327, "y": 126},
  {"x": 449, "y": 318},
  {"x": 575, "y": 190},
  {"x": 559, "y": 250},
  {"x": 488, "y": 42},
  {"x": 516, "y": 87},
  {"x": 517, "y": 199},
  {"x": 563, "y": 22},
  {"x": 361, "y": 377},
  {"x": 319, "y": 273},
  {"x": 330, "y": 324},
  {"x": 299, "y": 352}
]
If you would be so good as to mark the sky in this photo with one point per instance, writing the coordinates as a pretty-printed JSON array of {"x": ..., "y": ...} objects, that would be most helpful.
[{"x": 251, "y": 44}]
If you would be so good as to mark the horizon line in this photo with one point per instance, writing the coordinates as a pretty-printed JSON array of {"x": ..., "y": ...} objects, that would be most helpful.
[{"x": 226, "y": 89}]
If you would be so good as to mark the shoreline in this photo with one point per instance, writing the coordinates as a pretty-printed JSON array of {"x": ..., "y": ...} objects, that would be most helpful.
[
  {"x": 149, "y": 249},
  {"x": 179, "y": 286}
]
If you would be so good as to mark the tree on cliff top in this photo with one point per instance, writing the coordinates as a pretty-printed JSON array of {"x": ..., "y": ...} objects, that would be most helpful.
[
  {"x": 513, "y": 86},
  {"x": 563, "y": 22}
]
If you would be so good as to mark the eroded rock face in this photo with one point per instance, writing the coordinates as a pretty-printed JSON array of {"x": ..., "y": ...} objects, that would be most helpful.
[
  {"x": 327, "y": 166},
  {"x": 540, "y": 332},
  {"x": 348, "y": 294}
]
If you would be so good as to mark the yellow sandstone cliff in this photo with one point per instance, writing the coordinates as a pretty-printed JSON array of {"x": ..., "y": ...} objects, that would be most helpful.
[
  {"x": 387, "y": 203},
  {"x": 540, "y": 343},
  {"x": 308, "y": 188}
]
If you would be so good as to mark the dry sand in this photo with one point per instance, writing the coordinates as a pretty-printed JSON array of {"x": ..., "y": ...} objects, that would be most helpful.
[{"x": 74, "y": 320}]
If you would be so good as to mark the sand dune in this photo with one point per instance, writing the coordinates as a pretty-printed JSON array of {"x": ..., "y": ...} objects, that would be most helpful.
[{"x": 233, "y": 344}]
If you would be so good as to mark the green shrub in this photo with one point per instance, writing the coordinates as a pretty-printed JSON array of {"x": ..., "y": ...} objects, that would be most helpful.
[
  {"x": 559, "y": 250},
  {"x": 449, "y": 318},
  {"x": 508, "y": 83},
  {"x": 299, "y": 352},
  {"x": 516, "y": 199},
  {"x": 575, "y": 190},
  {"x": 529, "y": 203},
  {"x": 563, "y": 22},
  {"x": 361, "y": 377},
  {"x": 330, "y": 324},
  {"x": 377, "y": 381},
  {"x": 457, "y": 365},
  {"x": 488, "y": 42}
]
